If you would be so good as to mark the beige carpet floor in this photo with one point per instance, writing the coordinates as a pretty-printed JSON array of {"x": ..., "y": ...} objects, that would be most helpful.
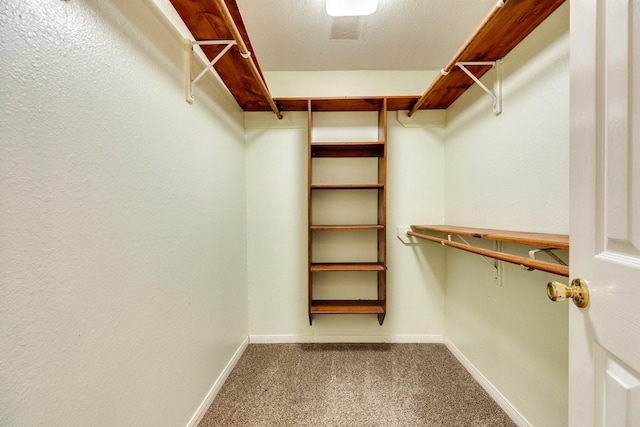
[{"x": 351, "y": 385}]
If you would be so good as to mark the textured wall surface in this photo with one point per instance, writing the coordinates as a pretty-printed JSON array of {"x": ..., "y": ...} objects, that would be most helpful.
[
  {"x": 122, "y": 211},
  {"x": 512, "y": 172}
]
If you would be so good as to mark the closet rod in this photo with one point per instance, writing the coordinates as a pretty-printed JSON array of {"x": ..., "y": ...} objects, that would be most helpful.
[
  {"x": 458, "y": 56},
  {"x": 244, "y": 52},
  {"x": 561, "y": 270}
]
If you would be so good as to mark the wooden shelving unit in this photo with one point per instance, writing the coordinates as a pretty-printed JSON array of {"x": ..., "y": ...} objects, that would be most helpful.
[
  {"x": 342, "y": 150},
  {"x": 348, "y": 103},
  {"x": 545, "y": 240}
]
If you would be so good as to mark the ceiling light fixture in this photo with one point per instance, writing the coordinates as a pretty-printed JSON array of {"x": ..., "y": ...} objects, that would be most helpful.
[{"x": 351, "y": 7}]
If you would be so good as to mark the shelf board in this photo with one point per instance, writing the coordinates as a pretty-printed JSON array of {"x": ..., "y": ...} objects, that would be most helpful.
[
  {"x": 346, "y": 307},
  {"x": 347, "y": 186},
  {"x": 394, "y": 103},
  {"x": 494, "y": 39},
  {"x": 346, "y": 266},
  {"x": 552, "y": 241},
  {"x": 348, "y": 227},
  {"x": 347, "y": 149},
  {"x": 354, "y": 149},
  {"x": 205, "y": 22},
  {"x": 498, "y": 36},
  {"x": 347, "y": 103}
]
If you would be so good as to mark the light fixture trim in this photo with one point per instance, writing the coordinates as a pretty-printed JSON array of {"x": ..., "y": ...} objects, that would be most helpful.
[{"x": 351, "y": 7}]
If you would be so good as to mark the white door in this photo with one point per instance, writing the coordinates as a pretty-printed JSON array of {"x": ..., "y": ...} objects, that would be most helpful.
[{"x": 604, "y": 343}]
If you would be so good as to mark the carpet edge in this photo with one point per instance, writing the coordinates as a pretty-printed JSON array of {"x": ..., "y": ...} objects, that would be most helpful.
[
  {"x": 217, "y": 385},
  {"x": 495, "y": 394}
]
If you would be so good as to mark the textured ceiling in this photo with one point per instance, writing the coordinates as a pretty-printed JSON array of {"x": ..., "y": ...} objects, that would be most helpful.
[{"x": 298, "y": 35}]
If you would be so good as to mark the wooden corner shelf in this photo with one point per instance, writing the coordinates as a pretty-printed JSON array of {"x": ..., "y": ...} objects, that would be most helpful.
[
  {"x": 501, "y": 30},
  {"x": 347, "y": 307},
  {"x": 394, "y": 103},
  {"x": 347, "y": 103}
]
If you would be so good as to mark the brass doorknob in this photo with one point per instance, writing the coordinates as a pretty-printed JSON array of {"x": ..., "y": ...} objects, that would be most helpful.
[{"x": 578, "y": 292}]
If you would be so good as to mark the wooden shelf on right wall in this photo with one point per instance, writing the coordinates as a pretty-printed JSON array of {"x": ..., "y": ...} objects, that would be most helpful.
[
  {"x": 503, "y": 29},
  {"x": 545, "y": 240}
]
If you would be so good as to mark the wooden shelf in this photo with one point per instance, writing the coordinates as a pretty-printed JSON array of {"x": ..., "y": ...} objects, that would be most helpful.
[
  {"x": 496, "y": 36},
  {"x": 553, "y": 241},
  {"x": 348, "y": 227},
  {"x": 347, "y": 149},
  {"x": 347, "y": 103},
  {"x": 205, "y": 21},
  {"x": 394, "y": 103},
  {"x": 343, "y": 266},
  {"x": 347, "y": 186},
  {"x": 548, "y": 241},
  {"x": 502, "y": 30},
  {"x": 347, "y": 307}
]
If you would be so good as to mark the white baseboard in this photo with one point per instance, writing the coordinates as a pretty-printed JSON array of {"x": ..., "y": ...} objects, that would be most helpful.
[
  {"x": 502, "y": 401},
  {"x": 217, "y": 385},
  {"x": 297, "y": 339}
]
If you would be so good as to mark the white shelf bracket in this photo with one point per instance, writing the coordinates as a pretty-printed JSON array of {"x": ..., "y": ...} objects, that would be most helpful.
[
  {"x": 548, "y": 251},
  {"x": 496, "y": 93},
  {"x": 190, "y": 81},
  {"x": 494, "y": 263},
  {"x": 402, "y": 231}
]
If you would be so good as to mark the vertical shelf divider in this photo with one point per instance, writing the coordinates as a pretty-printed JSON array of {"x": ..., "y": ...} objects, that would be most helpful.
[{"x": 309, "y": 206}]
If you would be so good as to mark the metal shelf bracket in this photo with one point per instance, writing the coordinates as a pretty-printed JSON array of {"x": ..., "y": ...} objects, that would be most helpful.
[
  {"x": 190, "y": 81},
  {"x": 548, "y": 251},
  {"x": 496, "y": 93},
  {"x": 494, "y": 263}
]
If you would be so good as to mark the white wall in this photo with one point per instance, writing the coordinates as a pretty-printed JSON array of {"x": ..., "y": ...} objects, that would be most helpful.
[
  {"x": 122, "y": 262},
  {"x": 284, "y": 84},
  {"x": 277, "y": 234},
  {"x": 511, "y": 172}
]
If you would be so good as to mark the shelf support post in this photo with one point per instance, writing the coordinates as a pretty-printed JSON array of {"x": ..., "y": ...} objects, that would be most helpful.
[
  {"x": 496, "y": 93},
  {"x": 191, "y": 81}
]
